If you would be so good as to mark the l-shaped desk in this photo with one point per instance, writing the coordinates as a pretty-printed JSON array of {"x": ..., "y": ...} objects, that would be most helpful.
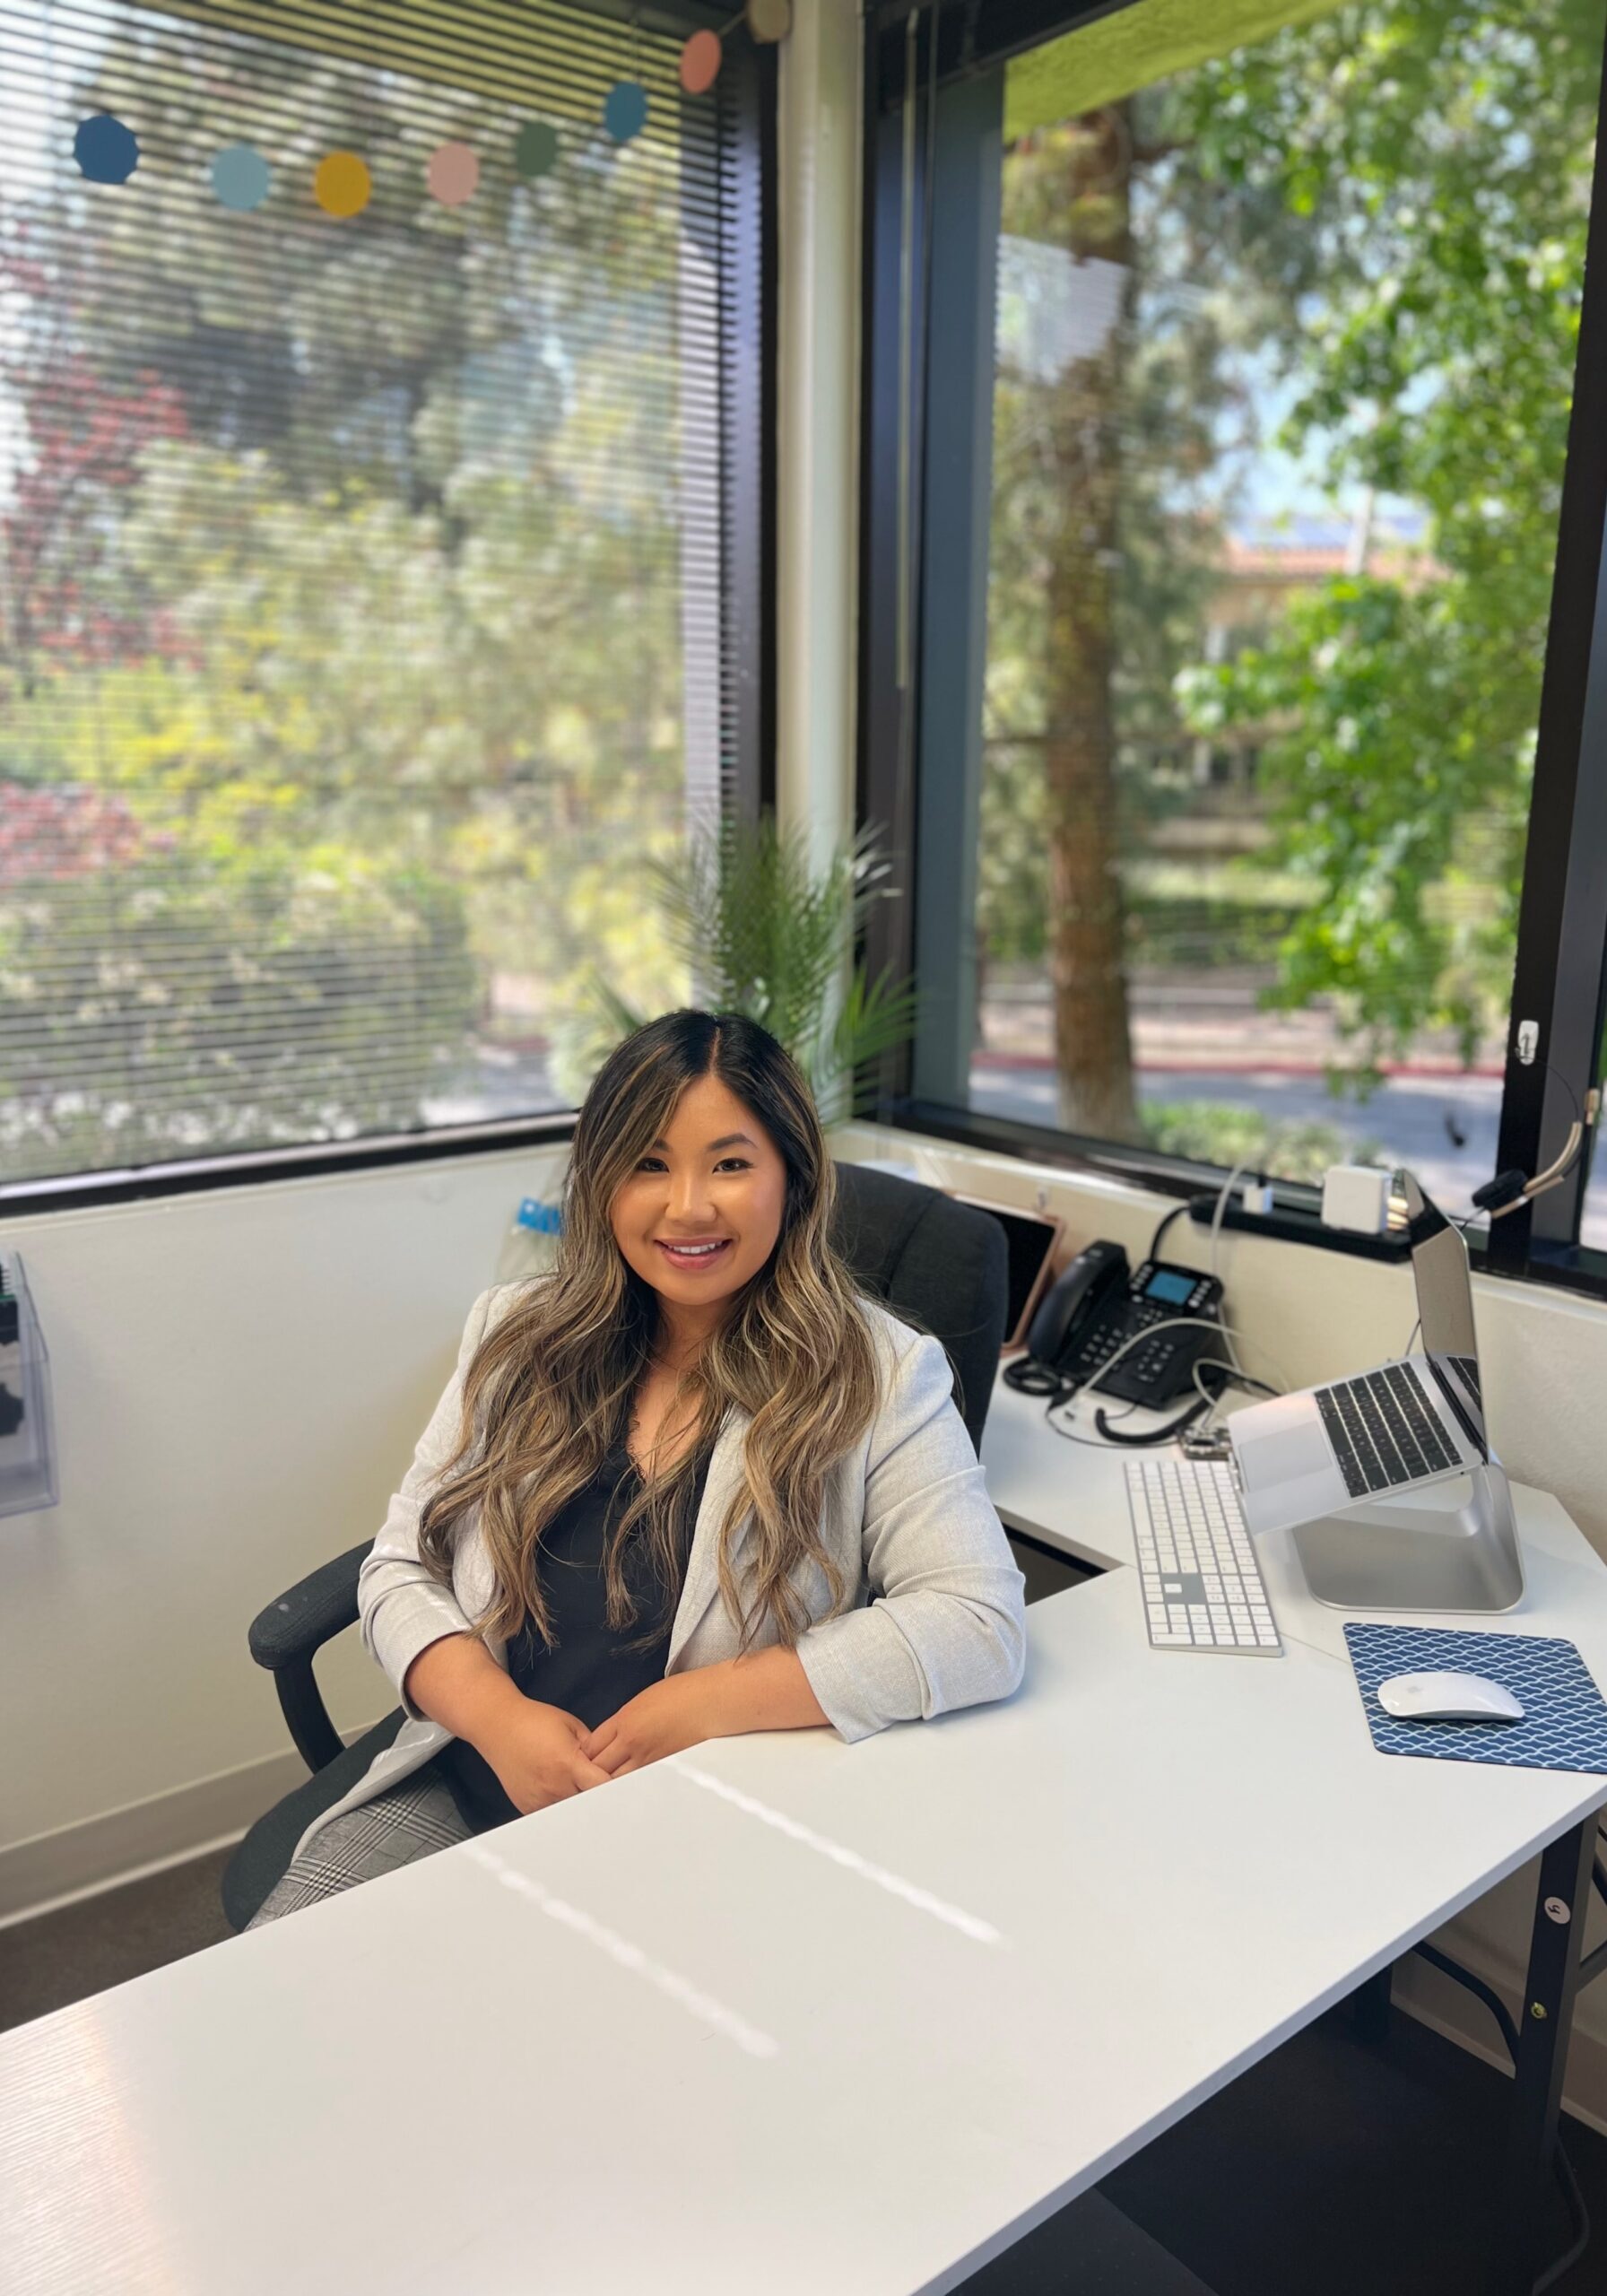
[{"x": 782, "y": 2013}]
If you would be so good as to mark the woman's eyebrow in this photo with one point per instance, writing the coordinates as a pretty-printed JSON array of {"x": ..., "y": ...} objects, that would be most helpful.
[{"x": 726, "y": 1139}]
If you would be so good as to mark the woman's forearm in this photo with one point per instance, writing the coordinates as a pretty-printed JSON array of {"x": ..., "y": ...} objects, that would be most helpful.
[
  {"x": 456, "y": 1682},
  {"x": 767, "y": 1689}
]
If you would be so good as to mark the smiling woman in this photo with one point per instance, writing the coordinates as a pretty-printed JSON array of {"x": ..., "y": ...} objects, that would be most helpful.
[{"x": 689, "y": 1485}]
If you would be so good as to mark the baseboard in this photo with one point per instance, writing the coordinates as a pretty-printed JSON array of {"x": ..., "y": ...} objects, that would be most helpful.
[{"x": 98, "y": 1854}]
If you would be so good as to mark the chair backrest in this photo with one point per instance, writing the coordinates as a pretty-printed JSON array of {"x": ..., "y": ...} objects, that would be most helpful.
[{"x": 943, "y": 1265}]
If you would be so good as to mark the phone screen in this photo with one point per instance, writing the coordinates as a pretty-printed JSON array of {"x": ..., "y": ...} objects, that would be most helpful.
[{"x": 1173, "y": 1289}]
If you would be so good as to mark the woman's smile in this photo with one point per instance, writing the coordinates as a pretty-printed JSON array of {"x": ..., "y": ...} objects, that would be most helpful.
[{"x": 694, "y": 1256}]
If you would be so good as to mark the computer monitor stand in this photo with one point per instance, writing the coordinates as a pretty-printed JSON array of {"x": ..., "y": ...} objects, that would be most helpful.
[{"x": 1450, "y": 1546}]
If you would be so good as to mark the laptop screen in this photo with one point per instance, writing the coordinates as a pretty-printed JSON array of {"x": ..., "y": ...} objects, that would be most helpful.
[{"x": 1444, "y": 1307}]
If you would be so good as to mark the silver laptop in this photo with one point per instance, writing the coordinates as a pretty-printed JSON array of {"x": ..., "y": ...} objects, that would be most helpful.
[{"x": 1407, "y": 1424}]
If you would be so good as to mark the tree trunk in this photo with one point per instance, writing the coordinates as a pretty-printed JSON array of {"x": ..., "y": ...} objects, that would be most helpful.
[{"x": 1079, "y": 196}]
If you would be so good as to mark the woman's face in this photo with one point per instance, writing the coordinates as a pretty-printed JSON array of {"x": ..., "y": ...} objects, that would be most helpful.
[{"x": 700, "y": 1214}]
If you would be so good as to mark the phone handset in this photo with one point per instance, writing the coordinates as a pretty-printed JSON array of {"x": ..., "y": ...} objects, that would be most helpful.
[
  {"x": 1135, "y": 1335},
  {"x": 1095, "y": 1281}
]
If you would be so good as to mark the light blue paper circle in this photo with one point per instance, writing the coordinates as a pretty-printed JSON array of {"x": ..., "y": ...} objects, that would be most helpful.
[{"x": 240, "y": 178}]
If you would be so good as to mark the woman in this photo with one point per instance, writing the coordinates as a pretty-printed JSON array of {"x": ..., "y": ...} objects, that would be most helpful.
[{"x": 689, "y": 1485}]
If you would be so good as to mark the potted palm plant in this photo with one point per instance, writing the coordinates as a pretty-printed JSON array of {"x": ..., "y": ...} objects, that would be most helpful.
[{"x": 766, "y": 931}]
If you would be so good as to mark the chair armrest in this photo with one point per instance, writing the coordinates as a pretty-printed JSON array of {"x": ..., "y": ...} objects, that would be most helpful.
[
  {"x": 286, "y": 1637},
  {"x": 318, "y": 1607}
]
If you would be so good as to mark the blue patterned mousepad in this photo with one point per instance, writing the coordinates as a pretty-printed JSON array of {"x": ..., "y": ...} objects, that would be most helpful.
[{"x": 1565, "y": 1716}]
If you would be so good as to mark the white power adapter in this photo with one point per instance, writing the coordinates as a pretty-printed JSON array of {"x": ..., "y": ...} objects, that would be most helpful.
[{"x": 1356, "y": 1196}]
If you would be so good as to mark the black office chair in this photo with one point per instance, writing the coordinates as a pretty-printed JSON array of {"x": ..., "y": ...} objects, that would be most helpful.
[{"x": 939, "y": 1265}]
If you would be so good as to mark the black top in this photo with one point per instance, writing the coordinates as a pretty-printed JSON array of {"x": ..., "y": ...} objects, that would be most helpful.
[{"x": 592, "y": 1669}]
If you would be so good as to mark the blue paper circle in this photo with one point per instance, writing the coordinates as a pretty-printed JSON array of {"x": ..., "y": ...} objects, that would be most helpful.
[
  {"x": 240, "y": 178},
  {"x": 625, "y": 109},
  {"x": 105, "y": 150}
]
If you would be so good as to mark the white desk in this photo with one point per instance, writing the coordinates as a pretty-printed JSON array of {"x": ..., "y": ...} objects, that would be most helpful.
[{"x": 779, "y": 2014}]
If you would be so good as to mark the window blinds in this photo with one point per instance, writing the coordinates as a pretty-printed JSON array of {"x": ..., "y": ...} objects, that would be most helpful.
[{"x": 363, "y": 563}]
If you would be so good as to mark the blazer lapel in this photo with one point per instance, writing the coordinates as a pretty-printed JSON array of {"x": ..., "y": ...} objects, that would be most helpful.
[{"x": 701, "y": 1585}]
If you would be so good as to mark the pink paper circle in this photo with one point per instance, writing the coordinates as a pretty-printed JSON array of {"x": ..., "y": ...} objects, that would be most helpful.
[
  {"x": 453, "y": 174},
  {"x": 700, "y": 61}
]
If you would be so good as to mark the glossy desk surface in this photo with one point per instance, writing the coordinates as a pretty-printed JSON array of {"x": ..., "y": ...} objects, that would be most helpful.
[{"x": 779, "y": 2014}]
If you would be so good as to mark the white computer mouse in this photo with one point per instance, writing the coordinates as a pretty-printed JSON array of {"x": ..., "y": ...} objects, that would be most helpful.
[{"x": 1447, "y": 1697}]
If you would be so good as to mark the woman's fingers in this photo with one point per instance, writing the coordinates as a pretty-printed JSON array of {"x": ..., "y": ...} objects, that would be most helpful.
[{"x": 587, "y": 1773}]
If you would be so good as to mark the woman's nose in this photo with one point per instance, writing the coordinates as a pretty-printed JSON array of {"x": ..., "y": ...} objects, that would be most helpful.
[{"x": 689, "y": 1196}]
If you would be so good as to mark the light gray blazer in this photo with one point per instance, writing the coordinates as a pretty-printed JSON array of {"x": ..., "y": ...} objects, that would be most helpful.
[{"x": 934, "y": 1613}]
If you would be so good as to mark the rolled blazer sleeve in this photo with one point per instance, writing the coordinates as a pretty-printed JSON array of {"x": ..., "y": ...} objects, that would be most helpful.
[
  {"x": 946, "y": 1626},
  {"x": 402, "y": 1608}
]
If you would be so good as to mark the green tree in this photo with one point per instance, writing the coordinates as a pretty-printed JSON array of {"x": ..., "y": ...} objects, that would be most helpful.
[
  {"x": 1437, "y": 155},
  {"x": 1379, "y": 215}
]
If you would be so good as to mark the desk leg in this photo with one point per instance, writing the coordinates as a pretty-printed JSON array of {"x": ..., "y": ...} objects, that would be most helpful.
[
  {"x": 1369, "y": 2007},
  {"x": 1543, "y": 2023}
]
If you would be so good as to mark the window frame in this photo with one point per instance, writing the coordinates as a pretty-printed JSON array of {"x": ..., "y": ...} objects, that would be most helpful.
[
  {"x": 747, "y": 364},
  {"x": 922, "y": 65}
]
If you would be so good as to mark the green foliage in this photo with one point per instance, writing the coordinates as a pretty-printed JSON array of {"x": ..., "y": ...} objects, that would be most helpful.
[
  {"x": 1376, "y": 221},
  {"x": 762, "y": 930},
  {"x": 1438, "y": 154},
  {"x": 1218, "y": 1133},
  {"x": 194, "y": 1002},
  {"x": 345, "y": 563}
]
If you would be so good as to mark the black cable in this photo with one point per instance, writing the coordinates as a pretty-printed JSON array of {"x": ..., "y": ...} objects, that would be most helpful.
[
  {"x": 1156, "y": 1435},
  {"x": 1176, "y": 1213}
]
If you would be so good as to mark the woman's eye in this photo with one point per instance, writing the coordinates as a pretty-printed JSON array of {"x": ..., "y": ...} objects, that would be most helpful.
[
  {"x": 651, "y": 1164},
  {"x": 732, "y": 1164}
]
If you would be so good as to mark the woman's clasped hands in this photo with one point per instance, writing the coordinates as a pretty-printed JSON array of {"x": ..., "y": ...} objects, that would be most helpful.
[{"x": 543, "y": 1754}]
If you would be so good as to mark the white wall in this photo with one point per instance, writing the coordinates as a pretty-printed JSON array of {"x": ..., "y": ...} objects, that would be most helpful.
[
  {"x": 1309, "y": 1314},
  {"x": 239, "y": 1380}
]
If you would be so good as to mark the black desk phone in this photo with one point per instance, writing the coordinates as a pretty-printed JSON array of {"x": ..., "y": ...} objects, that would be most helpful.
[{"x": 1098, "y": 1303}]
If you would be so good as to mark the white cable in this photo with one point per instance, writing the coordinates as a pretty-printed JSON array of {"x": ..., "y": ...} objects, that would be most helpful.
[
  {"x": 1216, "y": 1217},
  {"x": 1169, "y": 1323}
]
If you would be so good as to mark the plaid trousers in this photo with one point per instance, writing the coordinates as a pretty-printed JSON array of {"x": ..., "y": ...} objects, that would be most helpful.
[{"x": 409, "y": 1821}]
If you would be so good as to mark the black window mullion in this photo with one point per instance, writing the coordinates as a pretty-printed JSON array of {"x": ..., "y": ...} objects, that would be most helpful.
[{"x": 1562, "y": 915}]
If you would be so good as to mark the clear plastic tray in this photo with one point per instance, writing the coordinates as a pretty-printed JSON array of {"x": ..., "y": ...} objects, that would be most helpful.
[{"x": 27, "y": 1428}]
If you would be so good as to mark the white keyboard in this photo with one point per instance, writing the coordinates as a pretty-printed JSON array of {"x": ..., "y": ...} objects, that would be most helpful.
[{"x": 1202, "y": 1584}]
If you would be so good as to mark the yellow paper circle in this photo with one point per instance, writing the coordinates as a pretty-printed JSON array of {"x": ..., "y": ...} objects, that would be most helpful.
[{"x": 341, "y": 184}]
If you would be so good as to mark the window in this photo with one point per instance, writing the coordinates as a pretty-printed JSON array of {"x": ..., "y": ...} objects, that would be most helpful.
[
  {"x": 1244, "y": 638},
  {"x": 372, "y": 531}
]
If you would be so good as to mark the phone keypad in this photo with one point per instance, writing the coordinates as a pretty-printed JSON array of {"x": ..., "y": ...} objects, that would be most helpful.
[{"x": 1144, "y": 1366}]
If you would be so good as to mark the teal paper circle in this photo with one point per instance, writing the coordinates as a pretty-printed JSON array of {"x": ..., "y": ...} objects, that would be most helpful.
[{"x": 625, "y": 110}]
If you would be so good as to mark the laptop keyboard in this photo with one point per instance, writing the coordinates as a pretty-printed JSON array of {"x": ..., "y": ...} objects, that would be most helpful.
[{"x": 1382, "y": 1431}]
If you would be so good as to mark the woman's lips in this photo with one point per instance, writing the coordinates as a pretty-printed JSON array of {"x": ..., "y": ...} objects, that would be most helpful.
[{"x": 693, "y": 1257}]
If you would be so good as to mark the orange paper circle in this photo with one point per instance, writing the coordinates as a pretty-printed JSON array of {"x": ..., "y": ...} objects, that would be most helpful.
[
  {"x": 341, "y": 184},
  {"x": 700, "y": 61},
  {"x": 453, "y": 174}
]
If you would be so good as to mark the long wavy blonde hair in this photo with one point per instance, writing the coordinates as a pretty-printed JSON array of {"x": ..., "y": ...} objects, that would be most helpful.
[{"x": 548, "y": 1391}]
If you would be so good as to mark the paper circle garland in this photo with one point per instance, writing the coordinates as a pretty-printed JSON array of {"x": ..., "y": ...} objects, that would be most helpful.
[
  {"x": 700, "y": 61},
  {"x": 105, "y": 150},
  {"x": 240, "y": 178},
  {"x": 625, "y": 109},
  {"x": 342, "y": 185},
  {"x": 534, "y": 149},
  {"x": 769, "y": 20},
  {"x": 453, "y": 175}
]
